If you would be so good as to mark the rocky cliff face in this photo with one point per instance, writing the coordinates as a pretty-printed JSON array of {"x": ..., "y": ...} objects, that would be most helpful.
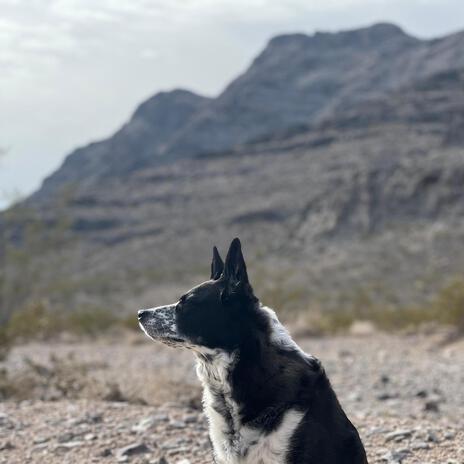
[
  {"x": 337, "y": 158},
  {"x": 297, "y": 80}
]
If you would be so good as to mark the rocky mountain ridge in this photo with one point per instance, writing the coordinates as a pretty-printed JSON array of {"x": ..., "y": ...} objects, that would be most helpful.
[
  {"x": 337, "y": 158},
  {"x": 297, "y": 79}
]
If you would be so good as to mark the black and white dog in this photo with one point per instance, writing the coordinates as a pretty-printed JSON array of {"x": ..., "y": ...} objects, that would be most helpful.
[{"x": 266, "y": 400}]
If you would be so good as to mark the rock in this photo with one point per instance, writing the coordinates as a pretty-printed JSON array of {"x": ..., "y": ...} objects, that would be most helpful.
[
  {"x": 149, "y": 422},
  {"x": 420, "y": 445},
  {"x": 398, "y": 435},
  {"x": 177, "y": 424},
  {"x": 6, "y": 422},
  {"x": 65, "y": 437},
  {"x": 355, "y": 396},
  {"x": 39, "y": 439},
  {"x": 432, "y": 437},
  {"x": 432, "y": 405},
  {"x": 132, "y": 450},
  {"x": 387, "y": 396},
  {"x": 395, "y": 457},
  {"x": 6, "y": 445},
  {"x": 190, "y": 418},
  {"x": 67, "y": 446},
  {"x": 422, "y": 393},
  {"x": 161, "y": 460},
  {"x": 384, "y": 379}
]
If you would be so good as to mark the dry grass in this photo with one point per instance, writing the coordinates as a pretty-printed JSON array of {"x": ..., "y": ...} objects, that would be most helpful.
[{"x": 446, "y": 308}]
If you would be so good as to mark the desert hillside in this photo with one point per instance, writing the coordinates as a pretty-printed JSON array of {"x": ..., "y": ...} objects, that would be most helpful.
[{"x": 338, "y": 158}]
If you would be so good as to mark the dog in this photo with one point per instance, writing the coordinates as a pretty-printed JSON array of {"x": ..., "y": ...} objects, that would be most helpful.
[{"x": 267, "y": 402}]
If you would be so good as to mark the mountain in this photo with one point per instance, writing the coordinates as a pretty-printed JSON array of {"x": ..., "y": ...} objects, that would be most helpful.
[
  {"x": 133, "y": 146},
  {"x": 338, "y": 158},
  {"x": 296, "y": 80}
]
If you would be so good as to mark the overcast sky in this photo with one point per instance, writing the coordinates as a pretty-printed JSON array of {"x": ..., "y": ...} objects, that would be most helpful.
[{"x": 72, "y": 71}]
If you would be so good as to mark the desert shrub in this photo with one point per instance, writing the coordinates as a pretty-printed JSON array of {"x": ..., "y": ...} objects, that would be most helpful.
[
  {"x": 90, "y": 321},
  {"x": 448, "y": 306},
  {"x": 32, "y": 322},
  {"x": 39, "y": 322},
  {"x": 59, "y": 378}
]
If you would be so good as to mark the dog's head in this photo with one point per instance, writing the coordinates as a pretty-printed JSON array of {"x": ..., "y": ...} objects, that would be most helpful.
[{"x": 217, "y": 314}]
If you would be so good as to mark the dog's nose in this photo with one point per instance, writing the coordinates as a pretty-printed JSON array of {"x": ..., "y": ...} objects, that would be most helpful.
[{"x": 142, "y": 314}]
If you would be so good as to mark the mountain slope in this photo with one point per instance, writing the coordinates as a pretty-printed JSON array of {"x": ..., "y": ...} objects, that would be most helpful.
[
  {"x": 357, "y": 187},
  {"x": 136, "y": 144},
  {"x": 296, "y": 80},
  {"x": 372, "y": 198}
]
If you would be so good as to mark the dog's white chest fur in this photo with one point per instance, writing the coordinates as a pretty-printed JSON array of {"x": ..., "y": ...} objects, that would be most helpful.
[{"x": 233, "y": 442}]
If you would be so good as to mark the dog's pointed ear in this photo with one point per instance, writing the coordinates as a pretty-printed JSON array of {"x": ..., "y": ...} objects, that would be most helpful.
[
  {"x": 235, "y": 268},
  {"x": 217, "y": 265}
]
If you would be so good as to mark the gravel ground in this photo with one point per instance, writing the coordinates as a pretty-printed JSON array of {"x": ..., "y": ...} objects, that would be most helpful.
[{"x": 405, "y": 395}]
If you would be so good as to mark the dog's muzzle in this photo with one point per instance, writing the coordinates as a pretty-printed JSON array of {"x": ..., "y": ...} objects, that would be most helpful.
[{"x": 160, "y": 324}]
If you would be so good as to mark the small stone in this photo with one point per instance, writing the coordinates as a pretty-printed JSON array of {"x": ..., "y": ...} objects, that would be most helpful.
[
  {"x": 432, "y": 405},
  {"x": 386, "y": 396},
  {"x": 398, "y": 435},
  {"x": 161, "y": 460},
  {"x": 420, "y": 445},
  {"x": 422, "y": 394},
  {"x": 105, "y": 453},
  {"x": 149, "y": 422},
  {"x": 65, "y": 437},
  {"x": 395, "y": 457},
  {"x": 432, "y": 437},
  {"x": 190, "y": 418},
  {"x": 133, "y": 449},
  {"x": 6, "y": 446},
  {"x": 355, "y": 396},
  {"x": 175, "y": 424},
  {"x": 67, "y": 446},
  {"x": 38, "y": 440}
]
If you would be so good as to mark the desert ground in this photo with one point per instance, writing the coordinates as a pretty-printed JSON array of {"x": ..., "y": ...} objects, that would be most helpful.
[{"x": 126, "y": 399}]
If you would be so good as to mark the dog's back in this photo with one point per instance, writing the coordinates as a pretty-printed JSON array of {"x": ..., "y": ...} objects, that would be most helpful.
[{"x": 325, "y": 435}]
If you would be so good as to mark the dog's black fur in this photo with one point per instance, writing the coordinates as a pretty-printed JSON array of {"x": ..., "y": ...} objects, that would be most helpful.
[{"x": 267, "y": 378}]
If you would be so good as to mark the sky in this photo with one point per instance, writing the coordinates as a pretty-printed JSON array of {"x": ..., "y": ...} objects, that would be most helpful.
[{"x": 73, "y": 71}]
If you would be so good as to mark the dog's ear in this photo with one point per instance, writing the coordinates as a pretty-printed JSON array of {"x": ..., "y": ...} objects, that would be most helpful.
[
  {"x": 235, "y": 268},
  {"x": 217, "y": 265},
  {"x": 235, "y": 276}
]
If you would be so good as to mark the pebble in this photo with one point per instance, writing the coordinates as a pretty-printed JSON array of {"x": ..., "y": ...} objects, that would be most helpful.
[
  {"x": 67, "y": 446},
  {"x": 133, "y": 449},
  {"x": 395, "y": 457},
  {"x": 398, "y": 435},
  {"x": 176, "y": 424}
]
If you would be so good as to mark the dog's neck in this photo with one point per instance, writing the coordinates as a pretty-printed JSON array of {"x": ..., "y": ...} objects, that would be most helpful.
[{"x": 236, "y": 383}]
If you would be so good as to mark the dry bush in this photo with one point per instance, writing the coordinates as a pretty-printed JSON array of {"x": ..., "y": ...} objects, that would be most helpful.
[{"x": 447, "y": 308}]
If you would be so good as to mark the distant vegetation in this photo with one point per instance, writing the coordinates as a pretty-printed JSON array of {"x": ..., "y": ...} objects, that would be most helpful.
[
  {"x": 446, "y": 308},
  {"x": 38, "y": 322},
  {"x": 34, "y": 305}
]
